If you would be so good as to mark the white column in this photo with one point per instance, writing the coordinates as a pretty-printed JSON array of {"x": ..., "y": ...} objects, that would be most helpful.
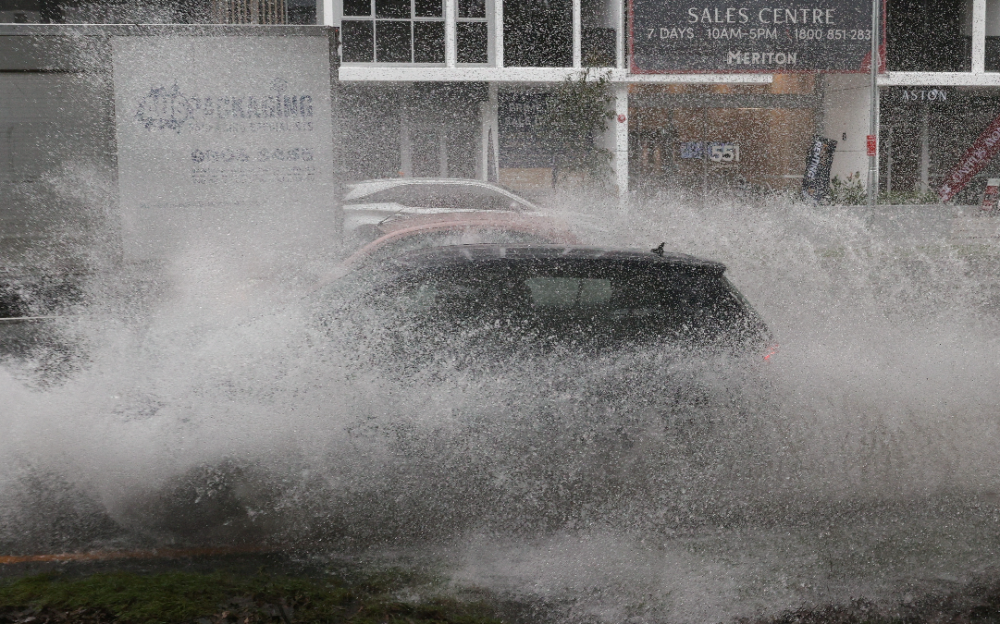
[
  {"x": 450, "y": 44},
  {"x": 578, "y": 35},
  {"x": 325, "y": 14},
  {"x": 621, "y": 143},
  {"x": 978, "y": 36},
  {"x": 498, "y": 33}
]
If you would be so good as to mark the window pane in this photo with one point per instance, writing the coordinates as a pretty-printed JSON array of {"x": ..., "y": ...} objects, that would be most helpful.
[
  {"x": 472, "y": 38},
  {"x": 428, "y": 42},
  {"x": 358, "y": 46},
  {"x": 357, "y": 8},
  {"x": 392, "y": 42},
  {"x": 301, "y": 11},
  {"x": 392, "y": 8},
  {"x": 428, "y": 8},
  {"x": 567, "y": 292},
  {"x": 472, "y": 8}
]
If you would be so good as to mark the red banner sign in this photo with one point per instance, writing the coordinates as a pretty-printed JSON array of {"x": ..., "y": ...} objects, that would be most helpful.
[{"x": 977, "y": 157}]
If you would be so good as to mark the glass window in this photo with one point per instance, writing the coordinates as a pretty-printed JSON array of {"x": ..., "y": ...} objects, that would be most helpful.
[
  {"x": 392, "y": 8},
  {"x": 472, "y": 42},
  {"x": 398, "y": 31},
  {"x": 569, "y": 292},
  {"x": 357, "y": 41},
  {"x": 392, "y": 41},
  {"x": 428, "y": 8},
  {"x": 357, "y": 8},
  {"x": 428, "y": 42},
  {"x": 472, "y": 8}
]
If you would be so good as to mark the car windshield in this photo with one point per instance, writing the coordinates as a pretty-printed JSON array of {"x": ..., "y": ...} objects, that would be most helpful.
[
  {"x": 450, "y": 196},
  {"x": 602, "y": 300}
]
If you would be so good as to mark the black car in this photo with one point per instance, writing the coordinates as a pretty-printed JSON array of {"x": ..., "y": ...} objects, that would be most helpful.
[{"x": 493, "y": 299}]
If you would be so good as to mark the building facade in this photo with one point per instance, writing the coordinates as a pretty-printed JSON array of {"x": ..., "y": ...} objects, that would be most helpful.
[{"x": 458, "y": 88}]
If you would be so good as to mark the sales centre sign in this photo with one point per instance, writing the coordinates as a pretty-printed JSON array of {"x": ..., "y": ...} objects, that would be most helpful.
[{"x": 766, "y": 36}]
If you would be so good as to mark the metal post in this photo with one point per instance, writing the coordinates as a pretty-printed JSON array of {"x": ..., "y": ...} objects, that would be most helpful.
[
  {"x": 704, "y": 156},
  {"x": 621, "y": 143},
  {"x": 873, "y": 110}
]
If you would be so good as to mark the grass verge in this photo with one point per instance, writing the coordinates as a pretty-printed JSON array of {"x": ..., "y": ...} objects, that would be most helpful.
[{"x": 217, "y": 597}]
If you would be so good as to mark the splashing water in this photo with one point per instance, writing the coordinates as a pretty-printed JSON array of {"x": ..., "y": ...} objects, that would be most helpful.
[{"x": 858, "y": 462}]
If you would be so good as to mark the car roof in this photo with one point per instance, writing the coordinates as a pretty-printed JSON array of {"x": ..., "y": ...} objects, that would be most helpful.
[
  {"x": 363, "y": 188},
  {"x": 464, "y": 254},
  {"x": 497, "y": 218}
]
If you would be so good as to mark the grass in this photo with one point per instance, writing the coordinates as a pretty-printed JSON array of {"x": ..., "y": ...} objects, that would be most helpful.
[{"x": 179, "y": 597}]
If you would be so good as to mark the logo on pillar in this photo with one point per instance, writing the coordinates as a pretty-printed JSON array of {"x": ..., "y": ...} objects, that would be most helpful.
[{"x": 622, "y": 118}]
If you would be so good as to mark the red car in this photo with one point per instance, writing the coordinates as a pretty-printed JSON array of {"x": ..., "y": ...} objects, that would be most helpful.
[{"x": 397, "y": 236}]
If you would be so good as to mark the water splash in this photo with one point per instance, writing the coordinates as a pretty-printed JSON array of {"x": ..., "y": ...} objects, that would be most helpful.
[{"x": 207, "y": 407}]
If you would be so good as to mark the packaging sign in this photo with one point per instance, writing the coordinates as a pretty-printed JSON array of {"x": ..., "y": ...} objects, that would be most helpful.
[
  {"x": 764, "y": 36},
  {"x": 819, "y": 162},
  {"x": 223, "y": 139}
]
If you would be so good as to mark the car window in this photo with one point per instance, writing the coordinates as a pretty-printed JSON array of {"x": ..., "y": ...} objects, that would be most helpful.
[
  {"x": 452, "y": 196},
  {"x": 569, "y": 292}
]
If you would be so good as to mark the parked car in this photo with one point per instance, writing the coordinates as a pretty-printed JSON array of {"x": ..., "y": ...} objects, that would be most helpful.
[
  {"x": 399, "y": 235},
  {"x": 495, "y": 298},
  {"x": 368, "y": 203}
]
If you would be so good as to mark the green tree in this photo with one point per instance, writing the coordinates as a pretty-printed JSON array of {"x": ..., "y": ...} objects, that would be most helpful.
[{"x": 577, "y": 112}]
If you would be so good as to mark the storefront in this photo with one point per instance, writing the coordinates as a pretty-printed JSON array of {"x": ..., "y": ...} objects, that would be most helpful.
[
  {"x": 926, "y": 131},
  {"x": 723, "y": 137}
]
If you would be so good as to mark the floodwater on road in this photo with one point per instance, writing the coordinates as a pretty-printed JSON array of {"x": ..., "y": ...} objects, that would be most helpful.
[{"x": 858, "y": 463}]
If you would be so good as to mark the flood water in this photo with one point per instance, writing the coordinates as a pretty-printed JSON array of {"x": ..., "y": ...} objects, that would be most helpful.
[{"x": 205, "y": 407}]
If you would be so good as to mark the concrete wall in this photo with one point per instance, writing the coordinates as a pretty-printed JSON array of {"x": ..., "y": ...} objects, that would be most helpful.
[{"x": 846, "y": 113}]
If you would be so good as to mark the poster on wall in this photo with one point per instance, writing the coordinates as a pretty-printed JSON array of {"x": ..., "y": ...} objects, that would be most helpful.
[
  {"x": 763, "y": 36},
  {"x": 223, "y": 141}
]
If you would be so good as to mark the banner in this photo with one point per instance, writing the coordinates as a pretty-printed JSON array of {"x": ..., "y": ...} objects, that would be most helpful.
[
  {"x": 765, "y": 36},
  {"x": 224, "y": 140},
  {"x": 977, "y": 157},
  {"x": 819, "y": 162}
]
